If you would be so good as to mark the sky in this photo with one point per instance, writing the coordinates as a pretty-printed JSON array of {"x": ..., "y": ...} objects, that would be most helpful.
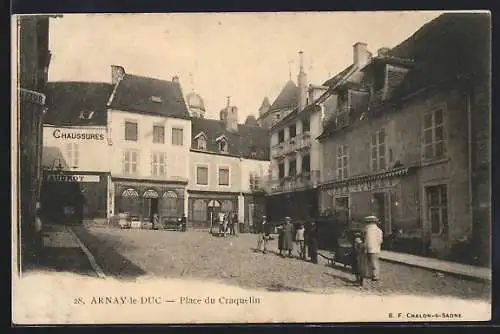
[{"x": 246, "y": 56}]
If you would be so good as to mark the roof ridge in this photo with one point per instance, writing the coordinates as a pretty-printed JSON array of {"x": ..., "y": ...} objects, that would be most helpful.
[{"x": 150, "y": 78}]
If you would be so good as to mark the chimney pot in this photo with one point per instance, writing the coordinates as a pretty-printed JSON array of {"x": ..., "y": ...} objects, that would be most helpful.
[
  {"x": 383, "y": 52},
  {"x": 117, "y": 73},
  {"x": 175, "y": 79},
  {"x": 361, "y": 55}
]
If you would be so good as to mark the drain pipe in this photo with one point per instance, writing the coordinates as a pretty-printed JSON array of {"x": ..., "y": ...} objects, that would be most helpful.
[{"x": 469, "y": 160}]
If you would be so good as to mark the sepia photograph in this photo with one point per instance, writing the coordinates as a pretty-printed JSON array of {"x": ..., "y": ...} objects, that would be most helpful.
[{"x": 267, "y": 167}]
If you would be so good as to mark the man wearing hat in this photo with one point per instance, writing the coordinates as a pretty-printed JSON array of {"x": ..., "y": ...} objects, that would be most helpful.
[
  {"x": 263, "y": 235},
  {"x": 373, "y": 244}
]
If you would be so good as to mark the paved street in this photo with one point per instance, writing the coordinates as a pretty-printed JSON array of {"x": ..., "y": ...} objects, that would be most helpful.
[{"x": 127, "y": 254}]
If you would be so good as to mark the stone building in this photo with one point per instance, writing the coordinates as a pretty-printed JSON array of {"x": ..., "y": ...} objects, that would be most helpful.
[
  {"x": 295, "y": 152},
  {"x": 33, "y": 60},
  {"x": 76, "y": 174},
  {"x": 410, "y": 142},
  {"x": 228, "y": 160},
  {"x": 149, "y": 130}
]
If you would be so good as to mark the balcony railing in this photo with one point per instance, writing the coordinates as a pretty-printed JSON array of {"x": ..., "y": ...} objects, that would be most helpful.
[
  {"x": 304, "y": 141},
  {"x": 302, "y": 181},
  {"x": 278, "y": 150}
]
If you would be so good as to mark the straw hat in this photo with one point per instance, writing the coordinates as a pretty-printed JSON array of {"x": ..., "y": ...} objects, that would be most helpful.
[{"x": 371, "y": 219}]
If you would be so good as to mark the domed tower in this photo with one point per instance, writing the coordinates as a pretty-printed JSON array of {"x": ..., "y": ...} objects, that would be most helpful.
[{"x": 196, "y": 105}]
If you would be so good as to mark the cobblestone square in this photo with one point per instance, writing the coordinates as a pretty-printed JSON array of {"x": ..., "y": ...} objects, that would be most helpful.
[{"x": 129, "y": 254}]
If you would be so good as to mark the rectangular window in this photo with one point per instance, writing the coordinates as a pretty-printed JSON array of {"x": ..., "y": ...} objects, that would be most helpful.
[
  {"x": 437, "y": 208},
  {"x": 281, "y": 170},
  {"x": 292, "y": 167},
  {"x": 177, "y": 137},
  {"x": 433, "y": 139},
  {"x": 254, "y": 181},
  {"x": 378, "y": 153},
  {"x": 292, "y": 131},
  {"x": 281, "y": 136},
  {"x": 202, "y": 175},
  {"x": 158, "y": 164},
  {"x": 158, "y": 134},
  {"x": 306, "y": 163},
  {"x": 342, "y": 161},
  {"x": 73, "y": 155},
  {"x": 130, "y": 162},
  {"x": 223, "y": 176},
  {"x": 306, "y": 125},
  {"x": 131, "y": 131}
]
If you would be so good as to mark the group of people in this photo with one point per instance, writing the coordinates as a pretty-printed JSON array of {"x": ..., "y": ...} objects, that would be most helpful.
[
  {"x": 226, "y": 223},
  {"x": 366, "y": 244},
  {"x": 305, "y": 237}
]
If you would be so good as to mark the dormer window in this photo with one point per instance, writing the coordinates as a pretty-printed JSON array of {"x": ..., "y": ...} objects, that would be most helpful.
[
  {"x": 202, "y": 143},
  {"x": 156, "y": 99},
  {"x": 223, "y": 146},
  {"x": 222, "y": 143},
  {"x": 86, "y": 114}
]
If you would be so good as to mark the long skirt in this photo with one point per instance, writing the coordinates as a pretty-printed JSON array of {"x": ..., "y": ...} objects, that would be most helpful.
[{"x": 360, "y": 264}]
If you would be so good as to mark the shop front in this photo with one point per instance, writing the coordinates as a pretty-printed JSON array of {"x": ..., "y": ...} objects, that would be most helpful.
[
  {"x": 205, "y": 206},
  {"x": 391, "y": 196},
  {"x": 299, "y": 205},
  {"x": 69, "y": 198},
  {"x": 141, "y": 200}
]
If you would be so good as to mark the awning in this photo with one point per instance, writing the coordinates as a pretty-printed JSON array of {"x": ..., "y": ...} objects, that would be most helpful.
[{"x": 395, "y": 172}]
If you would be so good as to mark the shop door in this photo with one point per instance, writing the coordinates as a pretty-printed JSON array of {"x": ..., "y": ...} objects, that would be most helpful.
[{"x": 382, "y": 210}]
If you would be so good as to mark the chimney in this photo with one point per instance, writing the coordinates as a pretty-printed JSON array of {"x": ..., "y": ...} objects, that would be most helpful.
[
  {"x": 302, "y": 82},
  {"x": 175, "y": 79},
  {"x": 117, "y": 73},
  {"x": 382, "y": 52},
  {"x": 361, "y": 55},
  {"x": 232, "y": 119}
]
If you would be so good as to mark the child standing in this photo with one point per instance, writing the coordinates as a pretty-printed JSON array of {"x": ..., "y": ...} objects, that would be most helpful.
[
  {"x": 358, "y": 258},
  {"x": 299, "y": 238}
]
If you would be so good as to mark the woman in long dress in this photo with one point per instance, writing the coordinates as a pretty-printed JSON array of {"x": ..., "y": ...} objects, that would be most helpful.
[{"x": 288, "y": 236}]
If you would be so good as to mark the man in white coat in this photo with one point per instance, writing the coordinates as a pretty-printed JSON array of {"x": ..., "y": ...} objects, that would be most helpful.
[{"x": 373, "y": 242}]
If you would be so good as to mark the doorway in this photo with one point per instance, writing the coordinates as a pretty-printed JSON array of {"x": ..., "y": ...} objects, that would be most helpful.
[
  {"x": 380, "y": 207},
  {"x": 151, "y": 205}
]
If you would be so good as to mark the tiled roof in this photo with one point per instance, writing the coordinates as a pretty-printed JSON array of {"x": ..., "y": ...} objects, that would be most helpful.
[
  {"x": 251, "y": 121},
  {"x": 288, "y": 98},
  {"x": 240, "y": 143},
  {"x": 265, "y": 103},
  {"x": 148, "y": 95},
  {"x": 66, "y": 101},
  {"x": 336, "y": 79},
  {"x": 450, "y": 45}
]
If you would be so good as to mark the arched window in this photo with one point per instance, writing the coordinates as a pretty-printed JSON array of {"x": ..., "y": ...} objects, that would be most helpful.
[
  {"x": 170, "y": 200},
  {"x": 199, "y": 210}
]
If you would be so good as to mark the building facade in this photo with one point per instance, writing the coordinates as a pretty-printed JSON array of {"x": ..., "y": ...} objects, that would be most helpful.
[
  {"x": 403, "y": 148},
  {"x": 32, "y": 68},
  {"x": 150, "y": 132},
  {"x": 76, "y": 178},
  {"x": 295, "y": 154},
  {"x": 227, "y": 162}
]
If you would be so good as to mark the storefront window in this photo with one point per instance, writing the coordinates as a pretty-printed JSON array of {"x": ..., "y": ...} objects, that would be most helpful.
[{"x": 199, "y": 210}]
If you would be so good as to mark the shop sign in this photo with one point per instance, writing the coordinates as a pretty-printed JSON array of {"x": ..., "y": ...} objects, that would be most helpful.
[
  {"x": 79, "y": 135},
  {"x": 62, "y": 178}
]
